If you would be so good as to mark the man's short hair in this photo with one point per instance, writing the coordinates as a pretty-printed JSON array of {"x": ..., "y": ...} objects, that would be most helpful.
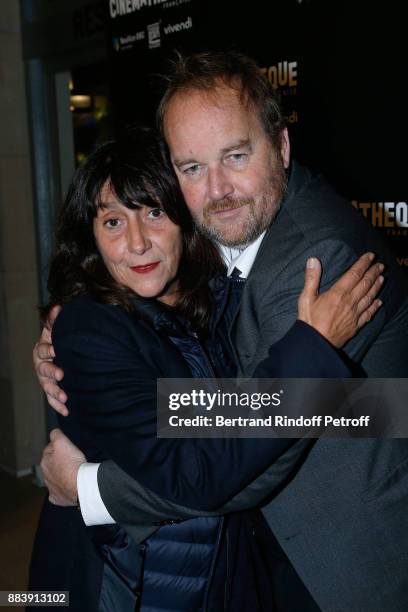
[{"x": 206, "y": 71}]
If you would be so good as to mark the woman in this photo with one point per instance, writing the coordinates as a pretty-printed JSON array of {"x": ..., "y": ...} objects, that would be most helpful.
[{"x": 133, "y": 275}]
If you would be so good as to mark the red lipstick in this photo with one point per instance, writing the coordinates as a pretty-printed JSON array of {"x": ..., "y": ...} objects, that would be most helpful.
[{"x": 145, "y": 269}]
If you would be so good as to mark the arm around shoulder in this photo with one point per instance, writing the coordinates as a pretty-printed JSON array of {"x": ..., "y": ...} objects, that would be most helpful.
[{"x": 111, "y": 385}]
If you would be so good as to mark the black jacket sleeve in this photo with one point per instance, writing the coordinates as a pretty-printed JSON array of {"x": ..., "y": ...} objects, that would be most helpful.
[
  {"x": 302, "y": 353},
  {"x": 111, "y": 365}
]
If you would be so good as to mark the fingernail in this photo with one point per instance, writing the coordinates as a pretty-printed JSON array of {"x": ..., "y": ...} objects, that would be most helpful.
[
  {"x": 381, "y": 279},
  {"x": 371, "y": 256},
  {"x": 381, "y": 267},
  {"x": 312, "y": 263}
]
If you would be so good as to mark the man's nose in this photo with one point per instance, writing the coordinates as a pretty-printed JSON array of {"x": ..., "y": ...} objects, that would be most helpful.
[
  {"x": 219, "y": 184},
  {"x": 137, "y": 237}
]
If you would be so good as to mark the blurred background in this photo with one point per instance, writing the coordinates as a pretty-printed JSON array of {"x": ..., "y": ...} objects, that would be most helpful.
[{"x": 73, "y": 74}]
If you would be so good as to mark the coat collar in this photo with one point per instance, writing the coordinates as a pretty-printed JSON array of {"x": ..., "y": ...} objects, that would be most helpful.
[{"x": 159, "y": 316}]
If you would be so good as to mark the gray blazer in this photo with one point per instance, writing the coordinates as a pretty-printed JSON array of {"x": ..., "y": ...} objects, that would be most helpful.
[{"x": 342, "y": 515}]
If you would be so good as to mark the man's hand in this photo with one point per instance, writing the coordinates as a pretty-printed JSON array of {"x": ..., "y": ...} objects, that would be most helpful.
[
  {"x": 60, "y": 464},
  {"x": 350, "y": 303},
  {"x": 49, "y": 374}
]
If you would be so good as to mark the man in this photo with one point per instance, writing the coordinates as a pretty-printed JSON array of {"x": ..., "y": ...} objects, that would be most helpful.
[{"x": 340, "y": 512}]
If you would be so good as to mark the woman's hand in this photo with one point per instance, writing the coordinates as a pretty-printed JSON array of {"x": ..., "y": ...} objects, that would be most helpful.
[
  {"x": 348, "y": 305},
  {"x": 47, "y": 373}
]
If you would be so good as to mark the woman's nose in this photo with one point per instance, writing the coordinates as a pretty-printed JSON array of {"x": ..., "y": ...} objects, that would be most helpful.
[{"x": 137, "y": 237}]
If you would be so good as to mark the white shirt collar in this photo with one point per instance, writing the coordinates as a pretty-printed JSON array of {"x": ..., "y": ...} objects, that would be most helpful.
[{"x": 243, "y": 259}]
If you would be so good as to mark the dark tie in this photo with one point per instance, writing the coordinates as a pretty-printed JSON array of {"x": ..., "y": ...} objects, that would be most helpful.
[
  {"x": 219, "y": 348},
  {"x": 236, "y": 286},
  {"x": 236, "y": 273}
]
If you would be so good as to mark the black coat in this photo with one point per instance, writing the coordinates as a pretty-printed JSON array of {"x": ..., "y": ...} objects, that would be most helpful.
[{"x": 111, "y": 361}]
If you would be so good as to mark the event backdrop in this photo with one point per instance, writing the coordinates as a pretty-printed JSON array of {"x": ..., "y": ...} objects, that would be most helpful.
[{"x": 339, "y": 66}]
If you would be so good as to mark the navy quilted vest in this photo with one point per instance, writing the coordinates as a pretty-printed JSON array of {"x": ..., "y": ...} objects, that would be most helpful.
[{"x": 178, "y": 565}]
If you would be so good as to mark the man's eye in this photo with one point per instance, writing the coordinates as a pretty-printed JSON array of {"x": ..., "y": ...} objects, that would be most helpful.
[
  {"x": 156, "y": 213},
  {"x": 191, "y": 170},
  {"x": 237, "y": 157}
]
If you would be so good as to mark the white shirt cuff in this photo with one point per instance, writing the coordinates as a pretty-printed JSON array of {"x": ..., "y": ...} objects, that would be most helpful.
[{"x": 94, "y": 511}]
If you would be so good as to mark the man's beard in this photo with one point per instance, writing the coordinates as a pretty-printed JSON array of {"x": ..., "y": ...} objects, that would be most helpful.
[{"x": 260, "y": 213}]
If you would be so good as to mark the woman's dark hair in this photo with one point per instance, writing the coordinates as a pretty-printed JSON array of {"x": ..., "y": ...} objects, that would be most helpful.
[{"x": 138, "y": 171}]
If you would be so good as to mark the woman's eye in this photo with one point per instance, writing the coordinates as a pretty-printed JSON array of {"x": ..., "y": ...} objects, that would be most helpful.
[
  {"x": 156, "y": 213},
  {"x": 112, "y": 223}
]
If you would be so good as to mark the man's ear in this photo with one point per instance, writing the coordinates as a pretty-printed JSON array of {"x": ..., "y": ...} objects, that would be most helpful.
[{"x": 285, "y": 148}]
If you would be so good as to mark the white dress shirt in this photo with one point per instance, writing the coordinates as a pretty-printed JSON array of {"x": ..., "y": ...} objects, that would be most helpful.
[
  {"x": 94, "y": 511},
  {"x": 243, "y": 259}
]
